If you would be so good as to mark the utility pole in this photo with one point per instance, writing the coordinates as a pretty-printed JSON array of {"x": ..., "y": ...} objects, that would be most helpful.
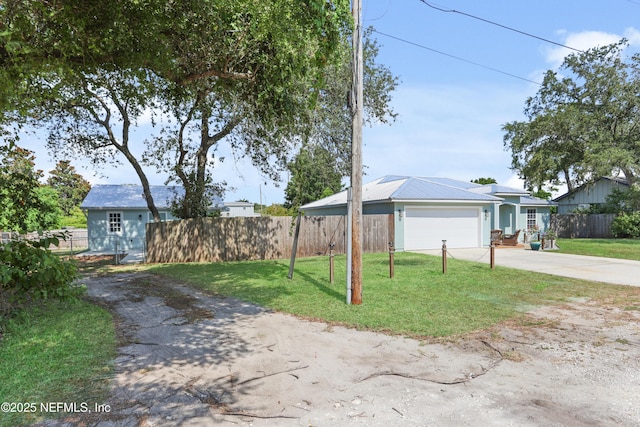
[{"x": 356, "y": 155}]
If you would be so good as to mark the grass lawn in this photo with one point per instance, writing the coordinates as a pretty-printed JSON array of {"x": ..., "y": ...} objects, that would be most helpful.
[
  {"x": 608, "y": 248},
  {"x": 419, "y": 301},
  {"x": 58, "y": 352}
]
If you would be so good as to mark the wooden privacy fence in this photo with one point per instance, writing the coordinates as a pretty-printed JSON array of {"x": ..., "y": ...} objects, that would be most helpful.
[
  {"x": 251, "y": 238},
  {"x": 583, "y": 225}
]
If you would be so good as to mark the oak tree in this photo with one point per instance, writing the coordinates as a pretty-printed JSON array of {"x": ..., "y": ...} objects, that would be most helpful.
[
  {"x": 243, "y": 71},
  {"x": 583, "y": 123}
]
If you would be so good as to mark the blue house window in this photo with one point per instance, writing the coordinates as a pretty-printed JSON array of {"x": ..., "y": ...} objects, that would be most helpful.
[{"x": 114, "y": 220}]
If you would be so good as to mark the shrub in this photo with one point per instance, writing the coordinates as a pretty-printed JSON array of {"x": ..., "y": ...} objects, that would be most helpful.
[
  {"x": 626, "y": 225},
  {"x": 29, "y": 271}
]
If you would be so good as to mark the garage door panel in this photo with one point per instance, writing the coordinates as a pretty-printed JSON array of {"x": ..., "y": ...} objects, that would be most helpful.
[{"x": 425, "y": 228}]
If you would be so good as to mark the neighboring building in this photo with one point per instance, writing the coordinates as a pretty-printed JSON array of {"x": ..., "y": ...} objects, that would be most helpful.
[
  {"x": 428, "y": 210},
  {"x": 117, "y": 214},
  {"x": 591, "y": 194},
  {"x": 235, "y": 209}
]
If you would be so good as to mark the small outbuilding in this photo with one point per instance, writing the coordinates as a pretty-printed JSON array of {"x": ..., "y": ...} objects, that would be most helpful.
[
  {"x": 237, "y": 209},
  {"x": 590, "y": 195},
  {"x": 117, "y": 214},
  {"x": 428, "y": 210}
]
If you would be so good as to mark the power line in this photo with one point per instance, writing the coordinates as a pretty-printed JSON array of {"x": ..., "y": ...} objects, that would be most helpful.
[
  {"x": 634, "y": 2},
  {"x": 457, "y": 57},
  {"x": 503, "y": 26}
]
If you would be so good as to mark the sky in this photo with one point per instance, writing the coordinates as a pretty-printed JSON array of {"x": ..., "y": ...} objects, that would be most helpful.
[{"x": 451, "y": 105}]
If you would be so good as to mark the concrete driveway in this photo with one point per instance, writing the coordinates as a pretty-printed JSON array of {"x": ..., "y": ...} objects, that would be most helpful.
[{"x": 609, "y": 270}]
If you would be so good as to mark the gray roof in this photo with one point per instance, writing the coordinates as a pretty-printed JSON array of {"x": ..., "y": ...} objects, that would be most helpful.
[
  {"x": 534, "y": 201},
  {"x": 132, "y": 197},
  {"x": 406, "y": 188}
]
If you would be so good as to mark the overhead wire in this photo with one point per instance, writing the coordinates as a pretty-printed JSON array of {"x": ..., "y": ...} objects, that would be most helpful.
[
  {"x": 501, "y": 25},
  {"x": 457, "y": 58}
]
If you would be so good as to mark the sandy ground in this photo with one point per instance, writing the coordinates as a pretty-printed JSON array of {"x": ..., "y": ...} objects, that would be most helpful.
[{"x": 189, "y": 359}]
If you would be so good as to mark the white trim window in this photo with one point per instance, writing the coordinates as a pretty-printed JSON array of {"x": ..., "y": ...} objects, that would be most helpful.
[
  {"x": 114, "y": 222},
  {"x": 532, "y": 221}
]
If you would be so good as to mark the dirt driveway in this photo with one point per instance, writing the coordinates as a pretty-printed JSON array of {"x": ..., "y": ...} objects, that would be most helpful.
[{"x": 190, "y": 359}]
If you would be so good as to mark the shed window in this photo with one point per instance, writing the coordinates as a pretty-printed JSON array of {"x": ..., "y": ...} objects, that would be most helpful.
[
  {"x": 114, "y": 220},
  {"x": 531, "y": 219}
]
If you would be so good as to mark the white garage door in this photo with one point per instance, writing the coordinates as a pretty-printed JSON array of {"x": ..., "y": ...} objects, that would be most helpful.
[{"x": 426, "y": 228}]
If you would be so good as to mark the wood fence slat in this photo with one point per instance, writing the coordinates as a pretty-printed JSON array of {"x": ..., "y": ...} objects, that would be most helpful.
[
  {"x": 248, "y": 238},
  {"x": 583, "y": 225}
]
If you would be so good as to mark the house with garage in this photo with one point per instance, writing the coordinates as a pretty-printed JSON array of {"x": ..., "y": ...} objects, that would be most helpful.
[
  {"x": 428, "y": 210},
  {"x": 117, "y": 214},
  {"x": 590, "y": 195}
]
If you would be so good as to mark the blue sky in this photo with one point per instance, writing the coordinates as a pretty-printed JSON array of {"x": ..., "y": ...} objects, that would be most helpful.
[{"x": 450, "y": 111}]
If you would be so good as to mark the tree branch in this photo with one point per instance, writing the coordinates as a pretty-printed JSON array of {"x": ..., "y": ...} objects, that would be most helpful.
[
  {"x": 229, "y": 75},
  {"x": 467, "y": 379}
]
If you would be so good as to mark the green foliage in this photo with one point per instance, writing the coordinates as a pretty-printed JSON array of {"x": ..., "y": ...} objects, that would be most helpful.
[
  {"x": 626, "y": 225},
  {"x": 29, "y": 271},
  {"x": 72, "y": 188},
  {"x": 77, "y": 219},
  {"x": 196, "y": 202},
  {"x": 542, "y": 194},
  {"x": 582, "y": 123},
  {"x": 242, "y": 71},
  {"x": 330, "y": 124},
  {"x": 314, "y": 175},
  {"x": 26, "y": 205},
  {"x": 276, "y": 209},
  {"x": 484, "y": 181},
  {"x": 619, "y": 200}
]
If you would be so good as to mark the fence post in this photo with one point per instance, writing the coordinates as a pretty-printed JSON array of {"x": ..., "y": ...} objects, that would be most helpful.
[
  {"x": 492, "y": 257},
  {"x": 294, "y": 249},
  {"x": 444, "y": 257},
  {"x": 391, "y": 260},
  {"x": 331, "y": 265}
]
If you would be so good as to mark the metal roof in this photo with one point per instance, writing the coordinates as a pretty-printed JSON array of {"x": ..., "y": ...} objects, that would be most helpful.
[
  {"x": 406, "y": 188},
  {"x": 132, "y": 197},
  {"x": 499, "y": 190},
  {"x": 534, "y": 201}
]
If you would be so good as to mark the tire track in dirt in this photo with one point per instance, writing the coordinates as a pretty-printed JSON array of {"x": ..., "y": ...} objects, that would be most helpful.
[{"x": 189, "y": 358}]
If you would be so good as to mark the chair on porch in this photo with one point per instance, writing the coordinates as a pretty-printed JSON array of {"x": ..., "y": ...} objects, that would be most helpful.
[
  {"x": 511, "y": 239},
  {"x": 496, "y": 236}
]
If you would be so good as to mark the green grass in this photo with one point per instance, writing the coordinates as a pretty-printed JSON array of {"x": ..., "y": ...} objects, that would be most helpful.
[
  {"x": 608, "y": 248},
  {"x": 419, "y": 301},
  {"x": 57, "y": 352}
]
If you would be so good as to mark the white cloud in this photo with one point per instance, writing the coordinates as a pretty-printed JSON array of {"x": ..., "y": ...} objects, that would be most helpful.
[
  {"x": 585, "y": 40},
  {"x": 633, "y": 36},
  {"x": 514, "y": 182}
]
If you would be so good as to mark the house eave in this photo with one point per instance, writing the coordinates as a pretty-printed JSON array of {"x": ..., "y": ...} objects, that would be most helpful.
[{"x": 440, "y": 201}]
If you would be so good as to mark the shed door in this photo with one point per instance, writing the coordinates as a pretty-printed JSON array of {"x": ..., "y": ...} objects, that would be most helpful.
[{"x": 426, "y": 228}]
